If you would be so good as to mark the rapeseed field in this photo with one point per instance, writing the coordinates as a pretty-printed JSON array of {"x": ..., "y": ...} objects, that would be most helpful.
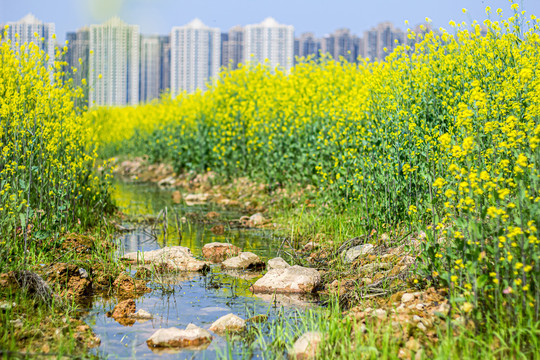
[{"x": 442, "y": 136}]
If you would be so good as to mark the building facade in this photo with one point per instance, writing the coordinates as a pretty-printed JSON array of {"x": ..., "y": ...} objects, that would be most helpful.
[
  {"x": 165, "y": 63},
  {"x": 77, "y": 57},
  {"x": 382, "y": 40},
  {"x": 114, "y": 64},
  {"x": 307, "y": 45},
  {"x": 150, "y": 68},
  {"x": 232, "y": 47},
  {"x": 195, "y": 56},
  {"x": 269, "y": 41},
  {"x": 29, "y": 29},
  {"x": 341, "y": 44}
]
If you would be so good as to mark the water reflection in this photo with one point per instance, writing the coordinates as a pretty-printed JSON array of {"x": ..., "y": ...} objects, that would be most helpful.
[
  {"x": 136, "y": 200},
  {"x": 180, "y": 299}
]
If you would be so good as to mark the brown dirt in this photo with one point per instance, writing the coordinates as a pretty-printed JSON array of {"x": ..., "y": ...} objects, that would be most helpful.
[
  {"x": 70, "y": 280},
  {"x": 127, "y": 287}
]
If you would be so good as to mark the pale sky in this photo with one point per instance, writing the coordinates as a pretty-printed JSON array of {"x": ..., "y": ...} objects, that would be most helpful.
[{"x": 320, "y": 17}]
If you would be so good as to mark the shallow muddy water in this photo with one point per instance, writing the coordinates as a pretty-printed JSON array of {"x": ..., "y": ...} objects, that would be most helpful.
[{"x": 188, "y": 297}]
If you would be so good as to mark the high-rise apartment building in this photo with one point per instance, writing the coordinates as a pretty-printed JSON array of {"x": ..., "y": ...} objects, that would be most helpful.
[
  {"x": 269, "y": 41},
  {"x": 232, "y": 47},
  {"x": 164, "y": 63},
  {"x": 30, "y": 29},
  {"x": 77, "y": 56},
  {"x": 382, "y": 40},
  {"x": 150, "y": 68},
  {"x": 114, "y": 63},
  {"x": 195, "y": 56},
  {"x": 341, "y": 44},
  {"x": 307, "y": 45}
]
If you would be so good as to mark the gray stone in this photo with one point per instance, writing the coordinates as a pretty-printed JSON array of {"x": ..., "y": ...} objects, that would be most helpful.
[
  {"x": 228, "y": 323},
  {"x": 306, "y": 346},
  {"x": 192, "y": 337},
  {"x": 196, "y": 199},
  {"x": 256, "y": 219},
  {"x": 294, "y": 279},
  {"x": 141, "y": 314},
  {"x": 177, "y": 258},
  {"x": 277, "y": 263},
  {"x": 358, "y": 251},
  {"x": 245, "y": 260}
]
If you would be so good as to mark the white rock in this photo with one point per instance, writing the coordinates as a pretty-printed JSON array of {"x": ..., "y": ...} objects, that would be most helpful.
[
  {"x": 380, "y": 314},
  {"x": 141, "y": 314},
  {"x": 7, "y": 305},
  {"x": 177, "y": 258},
  {"x": 306, "y": 346},
  {"x": 192, "y": 337},
  {"x": 245, "y": 260},
  {"x": 294, "y": 279},
  {"x": 228, "y": 323},
  {"x": 168, "y": 181},
  {"x": 277, "y": 263},
  {"x": 357, "y": 251},
  {"x": 408, "y": 297},
  {"x": 256, "y": 219},
  {"x": 196, "y": 199}
]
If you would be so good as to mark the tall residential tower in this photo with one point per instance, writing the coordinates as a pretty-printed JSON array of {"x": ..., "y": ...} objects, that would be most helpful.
[
  {"x": 195, "y": 56},
  {"x": 150, "y": 68},
  {"x": 270, "y": 41},
  {"x": 30, "y": 29},
  {"x": 114, "y": 63}
]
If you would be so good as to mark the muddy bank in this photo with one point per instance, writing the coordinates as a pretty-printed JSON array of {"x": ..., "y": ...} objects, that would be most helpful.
[{"x": 41, "y": 305}]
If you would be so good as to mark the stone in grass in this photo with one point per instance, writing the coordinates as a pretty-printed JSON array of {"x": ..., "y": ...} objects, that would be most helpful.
[
  {"x": 357, "y": 251},
  {"x": 192, "y": 337},
  {"x": 217, "y": 252},
  {"x": 228, "y": 323},
  {"x": 294, "y": 279},
  {"x": 245, "y": 260},
  {"x": 306, "y": 346}
]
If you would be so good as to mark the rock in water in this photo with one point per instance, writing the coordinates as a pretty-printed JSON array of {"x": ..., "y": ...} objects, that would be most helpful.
[
  {"x": 141, "y": 314},
  {"x": 357, "y": 251},
  {"x": 294, "y": 279},
  {"x": 217, "y": 252},
  {"x": 277, "y": 263},
  {"x": 228, "y": 323},
  {"x": 306, "y": 346},
  {"x": 123, "y": 311},
  {"x": 192, "y": 337},
  {"x": 246, "y": 260},
  {"x": 177, "y": 258}
]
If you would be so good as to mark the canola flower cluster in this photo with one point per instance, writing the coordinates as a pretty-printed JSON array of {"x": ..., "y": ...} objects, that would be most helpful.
[
  {"x": 444, "y": 135},
  {"x": 47, "y": 184}
]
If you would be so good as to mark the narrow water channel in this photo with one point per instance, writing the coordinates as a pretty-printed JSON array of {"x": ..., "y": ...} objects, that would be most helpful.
[{"x": 189, "y": 297}]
